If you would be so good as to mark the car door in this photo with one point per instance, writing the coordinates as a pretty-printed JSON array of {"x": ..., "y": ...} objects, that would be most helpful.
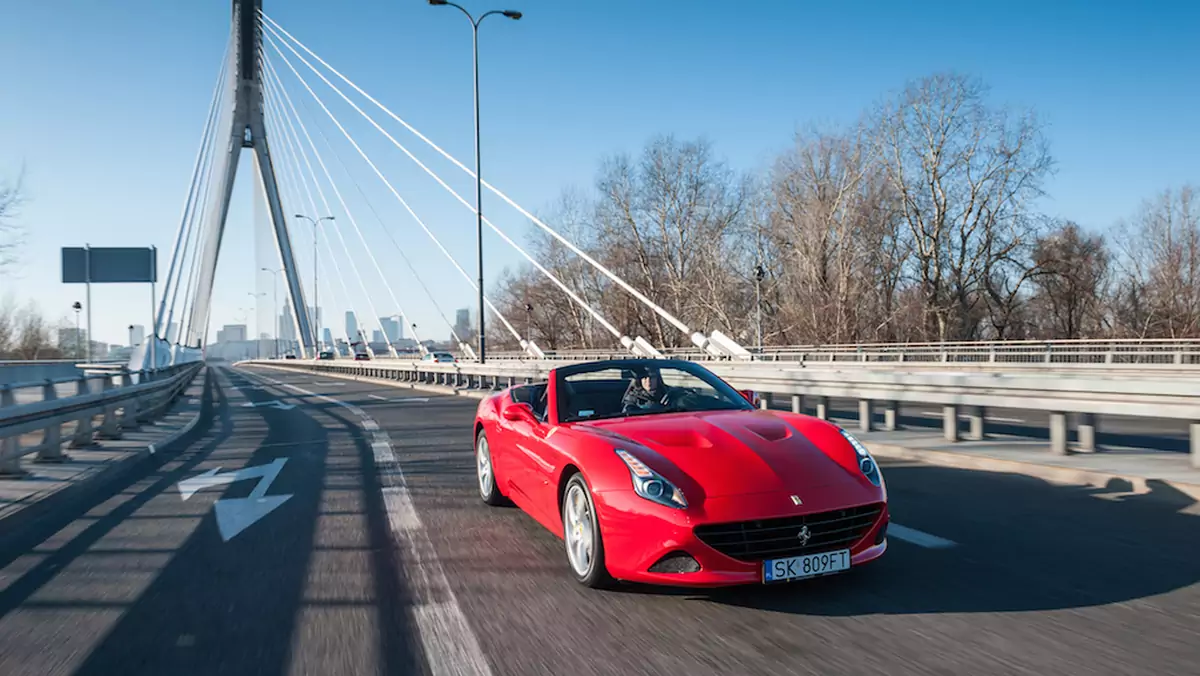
[{"x": 510, "y": 462}]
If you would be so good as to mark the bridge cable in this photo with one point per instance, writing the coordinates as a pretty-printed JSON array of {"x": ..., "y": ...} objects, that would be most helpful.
[
  {"x": 274, "y": 80},
  {"x": 289, "y": 194},
  {"x": 185, "y": 218},
  {"x": 337, "y": 156},
  {"x": 394, "y": 192},
  {"x": 197, "y": 215},
  {"x": 549, "y": 275},
  {"x": 203, "y": 217},
  {"x": 553, "y": 233},
  {"x": 336, "y": 226},
  {"x": 303, "y": 182}
]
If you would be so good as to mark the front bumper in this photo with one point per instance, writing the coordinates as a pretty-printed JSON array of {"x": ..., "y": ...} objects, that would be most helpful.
[{"x": 638, "y": 533}]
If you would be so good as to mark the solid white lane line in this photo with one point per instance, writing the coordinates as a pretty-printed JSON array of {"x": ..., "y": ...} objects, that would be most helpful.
[
  {"x": 376, "y": 396},
  {"x": 917, "y": 537},
  {"x": 450, "y": 646}
]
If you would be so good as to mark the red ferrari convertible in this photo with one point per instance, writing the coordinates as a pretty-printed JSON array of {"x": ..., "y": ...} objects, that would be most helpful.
[{"x": 658, "y": 471}]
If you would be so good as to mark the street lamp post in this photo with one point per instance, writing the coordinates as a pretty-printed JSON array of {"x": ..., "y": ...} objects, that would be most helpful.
[
  {"x": 257, "y": 343},
  {"x": 528, "y": 321},
  {"x": 514, "y": 15},
  {"x": 77, "y": 306},
  {"x": 316, "y": 328},
  {"x": 759, "y": 275},
  {"x": 275, "y": 306}
]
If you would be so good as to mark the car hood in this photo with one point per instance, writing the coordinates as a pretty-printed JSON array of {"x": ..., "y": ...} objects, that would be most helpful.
[{"x": 730, "y": 452}]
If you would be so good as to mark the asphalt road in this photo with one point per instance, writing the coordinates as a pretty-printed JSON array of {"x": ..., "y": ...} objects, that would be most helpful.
[{"x": 383, "y": 560}]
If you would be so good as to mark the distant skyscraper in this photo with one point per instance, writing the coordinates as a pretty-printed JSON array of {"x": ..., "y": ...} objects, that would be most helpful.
[
  {"x": 287, "y": 324},
  {"x": 377, "y": 336},
  {"x": 172, "y": 332},
  {"x": 327, "y": 336},
  {"x": 351, "y": 326},
  {"x": 462, "y": 324},
  {"x": 392, "y": 329},
  {"x": 231, "y": 333},
  {"x": 137, "y": 336}
]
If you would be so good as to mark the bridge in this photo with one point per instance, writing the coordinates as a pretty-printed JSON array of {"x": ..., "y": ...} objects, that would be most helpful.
[{"x": 310, "y": 504}]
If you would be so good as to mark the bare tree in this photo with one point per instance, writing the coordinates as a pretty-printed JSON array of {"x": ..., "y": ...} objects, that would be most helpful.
[
  {"x": 665, "y": 224},
  {"x": 965, "y": 175},
  {"x": 836, "y": 232},
  {"x": 1159, "y": 290},
  {"x": 1073, "y": 269},
  {"x": 10, "y": 232}
]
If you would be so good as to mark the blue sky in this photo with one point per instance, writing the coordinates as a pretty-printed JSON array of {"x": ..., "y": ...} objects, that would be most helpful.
[{"x": 103, "y": 103}]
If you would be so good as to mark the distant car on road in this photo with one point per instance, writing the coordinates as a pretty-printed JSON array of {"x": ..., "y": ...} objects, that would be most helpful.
[
  {"x": 327, "y": 355},
  {"x": 289, "y": 356},
  {"x": 658, "y": 471},
  {"x": 440, "y": 357},
  {"x": 362, "y": 356}
]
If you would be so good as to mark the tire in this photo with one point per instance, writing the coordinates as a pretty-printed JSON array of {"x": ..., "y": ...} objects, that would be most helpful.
[
  {"x": 579, "y": 522},
  {"x": 485, "y": 473}
]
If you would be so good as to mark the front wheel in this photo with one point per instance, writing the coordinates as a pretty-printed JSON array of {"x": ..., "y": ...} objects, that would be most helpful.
[
  {"x": 581, "y": 534},
  {"x": 488, "y": 490}
]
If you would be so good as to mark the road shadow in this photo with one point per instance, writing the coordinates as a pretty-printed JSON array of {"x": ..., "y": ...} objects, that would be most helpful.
[
  {"x": 149, "y": 469},
  {"x": 1022, "y": 544},
  {"x": 247, "y": 605}
]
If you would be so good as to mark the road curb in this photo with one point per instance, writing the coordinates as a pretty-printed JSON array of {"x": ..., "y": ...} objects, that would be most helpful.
[
  {"x": 18, "y": 519},
  {"x": 1057, "y": 474}
]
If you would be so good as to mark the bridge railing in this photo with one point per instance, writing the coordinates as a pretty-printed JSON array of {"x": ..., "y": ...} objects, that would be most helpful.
[
  {"x": 1088, "y": 395},
  {"x": 1117, "y": 353},
  {"x": 123, "y": 399}
]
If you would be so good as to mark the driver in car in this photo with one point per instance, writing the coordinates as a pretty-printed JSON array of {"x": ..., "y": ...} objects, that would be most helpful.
[{"x": 646, "y": 391}]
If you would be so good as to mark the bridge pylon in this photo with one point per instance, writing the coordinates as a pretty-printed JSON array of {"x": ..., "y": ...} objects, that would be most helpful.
[{"x": 248, "y": 129}]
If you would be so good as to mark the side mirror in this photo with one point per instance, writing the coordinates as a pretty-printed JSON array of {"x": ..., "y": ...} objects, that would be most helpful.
[
  {"x": 518, "y": 412},
  {"x": 751, "y": 396}
]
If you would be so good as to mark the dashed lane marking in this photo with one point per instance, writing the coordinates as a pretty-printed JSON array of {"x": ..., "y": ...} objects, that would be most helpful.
[{"x": 919, "y": 538}]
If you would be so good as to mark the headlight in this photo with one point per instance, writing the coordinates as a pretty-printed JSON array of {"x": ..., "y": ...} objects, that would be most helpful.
[
  {"x": 866, "y": 464},
  {"x": 650, "y": 485}
]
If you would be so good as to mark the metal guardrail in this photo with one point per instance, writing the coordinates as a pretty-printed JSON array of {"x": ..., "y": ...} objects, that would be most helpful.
[
  {"x": 1089, "y": 395},
  {"x": 1116, "y": 354},
  {"x": 125, "y": 400}
]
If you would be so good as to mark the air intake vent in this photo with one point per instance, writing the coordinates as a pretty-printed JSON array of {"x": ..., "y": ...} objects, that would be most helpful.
[{"x": 676, "y": 562}]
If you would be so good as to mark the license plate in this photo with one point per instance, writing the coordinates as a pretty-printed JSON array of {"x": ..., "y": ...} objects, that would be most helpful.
[{"x": 809, "y": 565}]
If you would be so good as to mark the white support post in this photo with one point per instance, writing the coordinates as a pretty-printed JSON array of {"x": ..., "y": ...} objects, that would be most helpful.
[
  {"x": 976, "y": 417},
  {"x": 51, "y": 450},
  {"x": 864, "y": 415},
  {"x": 823, "y": 408},
  {"x": 1058, "y": 433},
  {"x": 890, "y": 416},
  {"x": 797, "y": 403},
  {"x": 1194, "y": 433},
  {"x": 950, "y": 422},
  {"x": 1087, "y": 432},
  {"x": 84, "y": 432}
]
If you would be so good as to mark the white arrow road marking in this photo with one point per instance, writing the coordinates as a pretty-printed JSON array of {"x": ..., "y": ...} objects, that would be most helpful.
[
  {"x": 234, "y": 515},
  {"x": 274, "y": 402},
  {"x": 919, "y": 538}
]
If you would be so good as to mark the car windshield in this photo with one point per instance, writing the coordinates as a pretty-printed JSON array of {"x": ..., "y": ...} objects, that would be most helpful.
[{"x": 641, "y": 387}]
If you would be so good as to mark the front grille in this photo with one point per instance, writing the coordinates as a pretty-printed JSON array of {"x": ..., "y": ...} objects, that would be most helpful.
[{"x": 778, "y": 538}]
